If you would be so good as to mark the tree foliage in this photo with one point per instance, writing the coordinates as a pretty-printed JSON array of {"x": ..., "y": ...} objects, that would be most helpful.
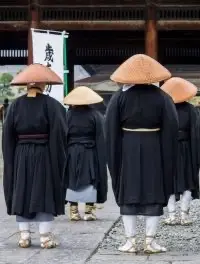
[{"x": 6, "y": 78}]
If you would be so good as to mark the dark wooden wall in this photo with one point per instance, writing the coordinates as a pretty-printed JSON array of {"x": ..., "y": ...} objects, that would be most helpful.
[
  {"x": 174, "y": 47},
  {"x": 14, "y": 48},
  {"x": 98, "y": 44},
  {"x": 179, "y": 47},
  {"x": 102, "y": 47}
]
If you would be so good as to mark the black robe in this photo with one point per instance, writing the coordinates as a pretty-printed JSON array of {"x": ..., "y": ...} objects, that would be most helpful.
[
  {"x": 86, "y": 156},
  {"x": 141, "y": 164},
  {"x": 187, "y": 174},
  {"x": 33, "y": 167}
]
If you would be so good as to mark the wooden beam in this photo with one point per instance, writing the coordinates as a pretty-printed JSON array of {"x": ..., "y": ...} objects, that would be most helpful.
[
  {"x": 178, "y": 25},
  {"x": 14, "y": 25},
  {"x": 33, "y": 23},
  {"x": 151, "y": 34},
  {"x": 99, "y": 25},
  {"x": 93, "y": 25}
]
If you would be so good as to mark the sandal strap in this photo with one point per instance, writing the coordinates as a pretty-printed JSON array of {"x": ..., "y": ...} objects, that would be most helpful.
[
  {"x": 159, "y": 247},
  {"x": 25, "y": 233},
  {"x": 49, "y": 234},
  {"x": 152, "y": 238},
  {"x": 49, "y": 242}
]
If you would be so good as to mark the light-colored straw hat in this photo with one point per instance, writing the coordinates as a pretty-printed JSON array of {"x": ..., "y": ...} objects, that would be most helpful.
[
  {"x": 140, "y": 69},
  {"x": 36, "y": 73},
  {"x": 82, "y": 95},
  {"x": 179, "y": 89}
]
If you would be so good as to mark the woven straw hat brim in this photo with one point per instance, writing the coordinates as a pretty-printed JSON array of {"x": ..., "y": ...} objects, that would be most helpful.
[
  {"x": 82, "y": 95},
  {"x": 140, "y": 69},
  {"x": 179, "y": 89},
  {"x": 36, "y": 73}
]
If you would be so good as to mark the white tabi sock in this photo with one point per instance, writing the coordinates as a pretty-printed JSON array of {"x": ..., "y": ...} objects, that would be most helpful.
[
  {"x": 24, "y": 226},
  {"x": 151, "y": 225},
  {"x": 171, "y": 204},
  {"x": 129, "y": 225},
  {"x": 45, "y": 227},
  {"x": 185, "y": 201}
]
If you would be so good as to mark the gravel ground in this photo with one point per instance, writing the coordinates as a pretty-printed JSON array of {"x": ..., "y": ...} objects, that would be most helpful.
[{"x": 175, "y": 238}]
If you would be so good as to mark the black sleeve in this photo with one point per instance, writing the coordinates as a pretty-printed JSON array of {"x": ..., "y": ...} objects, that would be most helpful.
[
  {"x": 113, "y": 141},
  {"x": 169, "y": 143},
  {"x": 57, "y": 149},
  {"x": 8, "y": 149},
  {"x": 102, "y": 183}
]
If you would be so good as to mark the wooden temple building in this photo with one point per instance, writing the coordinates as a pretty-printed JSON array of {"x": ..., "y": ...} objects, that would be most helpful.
[{"x": 106, "y": 31}]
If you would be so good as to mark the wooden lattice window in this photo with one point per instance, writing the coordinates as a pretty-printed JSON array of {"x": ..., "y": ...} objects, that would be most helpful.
[
  {"x": 13, "y": 13},
  {"x": 179, "y": 13},
  {"x": 92, "y": 13}
]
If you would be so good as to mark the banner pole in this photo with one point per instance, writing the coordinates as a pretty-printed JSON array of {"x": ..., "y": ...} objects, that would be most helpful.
[{"x": 65, "y": 66}]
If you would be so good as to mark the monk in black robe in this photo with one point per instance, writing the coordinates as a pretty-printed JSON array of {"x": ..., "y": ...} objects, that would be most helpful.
[
  {"x": 34, "y": 155},
  {"x": 186, "y": 182},
  {"x": 86, "y": 172},
  {"x": 141, "y": 133}
]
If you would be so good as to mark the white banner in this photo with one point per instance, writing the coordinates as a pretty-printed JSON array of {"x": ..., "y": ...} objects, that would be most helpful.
[{"x": 48, "y": 50}]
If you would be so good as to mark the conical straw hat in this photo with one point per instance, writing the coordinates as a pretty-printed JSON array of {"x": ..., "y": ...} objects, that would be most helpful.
[
  {"x": 82, "y": 95},
  {"x": 179, "y": 89},
  {"x": 36, "y": 73},
  {"x": 140, "y": 69}
]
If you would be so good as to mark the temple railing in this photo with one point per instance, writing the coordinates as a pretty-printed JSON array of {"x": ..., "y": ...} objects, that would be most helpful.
[
  {"x": 14, "y": 13},
  {"x": 109, "y": 52},
  {"x": 13, "y": 53},
  {"x": 99, "y": 13},
  {"x": 179, "y": 13},
  {"x": 117, "y": 13},
  {"x": 182, "y": 52},
  {"x": 92, "y": 13}
]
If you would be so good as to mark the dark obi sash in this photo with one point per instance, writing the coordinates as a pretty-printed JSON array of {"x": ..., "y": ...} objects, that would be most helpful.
[
  {"x": 32, "y": 138},
  {"x": 88, "y": 142}
]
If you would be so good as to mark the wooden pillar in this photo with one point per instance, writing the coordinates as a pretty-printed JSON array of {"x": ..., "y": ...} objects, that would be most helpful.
[
  {"x": 34, "y": 22},
  {"x": 151, "y": 34}
]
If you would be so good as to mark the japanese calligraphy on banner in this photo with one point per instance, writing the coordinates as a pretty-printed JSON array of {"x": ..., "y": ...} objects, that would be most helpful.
[{"x": 48, "y": 49}]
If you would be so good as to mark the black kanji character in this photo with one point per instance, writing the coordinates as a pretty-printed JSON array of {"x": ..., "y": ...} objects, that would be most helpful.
[{"x": 49, "y": 54}]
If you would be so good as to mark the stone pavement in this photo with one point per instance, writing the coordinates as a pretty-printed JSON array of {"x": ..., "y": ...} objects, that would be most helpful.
[{"x": 113, "y": 258}]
